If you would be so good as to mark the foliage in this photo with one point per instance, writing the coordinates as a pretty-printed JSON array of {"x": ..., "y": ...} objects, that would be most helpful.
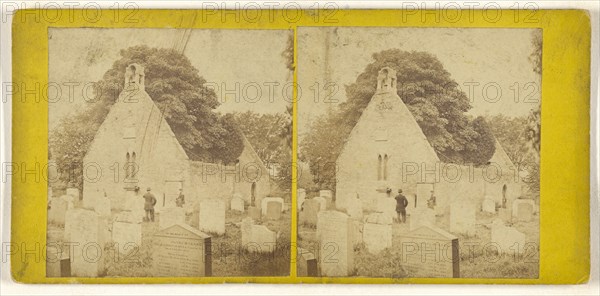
[
  {"x": 429, "y": 92},
  {"x": 177, "y": 89}
]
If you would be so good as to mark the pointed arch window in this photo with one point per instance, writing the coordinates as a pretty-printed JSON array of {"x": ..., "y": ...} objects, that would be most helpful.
[
  {"x": 379, "y": 165},
  {"x": 133, "y": 166},
  {"x": 385, "y": 167},
  {"x": 127, "y": 161}
]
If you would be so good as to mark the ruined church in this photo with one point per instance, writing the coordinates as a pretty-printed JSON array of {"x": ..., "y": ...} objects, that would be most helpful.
[
  {"x": 388, "y": 149},
  {"x": 135, "y": 147}
]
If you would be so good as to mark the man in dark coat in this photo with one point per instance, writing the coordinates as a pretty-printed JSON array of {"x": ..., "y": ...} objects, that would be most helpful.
[
  {"x": 401, "y": 204},
  {"x": 149, "y": 205}
]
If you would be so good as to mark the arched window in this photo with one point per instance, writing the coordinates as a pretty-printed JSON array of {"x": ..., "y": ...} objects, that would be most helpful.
[
  {"x": 385, "y": 167},
  {"x": 379, "y": 167},
  {"x": 133, "y": 166},
  {"x": 127, "y": 161}
]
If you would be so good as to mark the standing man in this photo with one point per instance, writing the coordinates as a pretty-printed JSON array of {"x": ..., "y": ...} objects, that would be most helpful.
[
  {"x": 149, "y": 205},
  {"x": 432, "y": 201},
  {"x": 180, "y": 201},
  {"x": 401, "y": 204}
]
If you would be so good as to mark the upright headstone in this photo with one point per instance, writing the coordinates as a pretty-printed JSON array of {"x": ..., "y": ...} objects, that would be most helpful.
[
  {"x": 171, "y": 216},
  {"x": 58, "y": 263},
  {"x": 182, "y": 251},
  {"x": 135, "y": 204},
  {"x": 334, "y": 232},
  {"x": 420, "y": 217},
  {"x": 254, "y": 213},
  {"x": 127, "y": 236},
  {"x": 88, "y": 233},
  {"x": 300, "y": 197},
  {"x": 462, "y": 217},
  {"x": 387, "y": 205},
  {"x": 377, "y": 232},
  {"x": 70, "y": 200},
  {"x": 310, "y": 209},
  {"x": 266, "y": 200},
  {"x": 212, "y": 216},
  {"x": 430, "y": 252},
  {"x": 326, "y": 193},
  {"x": 73, "y": 192},
  {"x": 273, "y": 210},
  {"x": 322, "y": 203},
  {"x": 57, "y": 211},
  {"x": 355, "y": 209},
  {"x": 488, "y": 205},
  {"x": 522, "y": 209},
  {"x": 307, "y": 264},
  {"x": 357, "y": 232},
  {"x": 237, "y": 204},
  {"x": 262, "y": 240},
  {"x": 246, "y": 229},
  {"x": 102, "y": 207},
  {"x": 508, "y": 239}
]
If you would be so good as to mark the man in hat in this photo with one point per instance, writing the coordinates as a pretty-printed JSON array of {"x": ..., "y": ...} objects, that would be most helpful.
[
  {"x": 149, "y": 205},
  {"x": 401, "y": 204},
  {"x": 180, "y": 201}
]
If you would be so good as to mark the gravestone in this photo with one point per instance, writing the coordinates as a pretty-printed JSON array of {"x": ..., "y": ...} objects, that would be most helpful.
[
  {"x": 310, "y": 210},
  {"x": 508, "y": 239},
  {"x": 462, "y": 217},
  {"x": 420, "y": 217},
  {"x": 387, "y": 205},
  {"x": 127, "y": 236},
  {"x": 74, "y": 192},
  {"x": 522, "y": 209},
  {"x": 171, "y": 216},
  {"x": 262, "y": 240},
  {"x": 70, "y": 200},
  {"x": 326, "y": 194},
  {"x": 102, "y": 207},
  {"x": 377, "y": 232},
  {"x": 254, "y": 213},
  {"x": 430, "y": 252},
  {"x": 237, "y": 204},
  {"x": 266, "y": 200},
  {"x": 211, "y": 217},
  {"x": 182, "y": 251},
  {"x": 273, "y": 210},
  {"x": 355, "y": 209},
  {"x": 246, "y": 229},
  {"x": 58, "y": 263},
  {"x": 357, "y": 232},
  {"x": 334, "y": 234},
  {"x": 300, "y": 197},
  {"x": 88, "y": 233},
  {"x": 488, "y": 205},
  {"x": 135, "y": 204},
  {"x": 58, "y": 210},
  {"x": 307, "y": 264},
  {"x": 322, "y": 203}
]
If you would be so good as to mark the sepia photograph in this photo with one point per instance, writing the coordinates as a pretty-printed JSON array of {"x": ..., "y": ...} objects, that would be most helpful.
[
  {"x": 169, "y": 152},
  {"x": 418, "y": 152}
]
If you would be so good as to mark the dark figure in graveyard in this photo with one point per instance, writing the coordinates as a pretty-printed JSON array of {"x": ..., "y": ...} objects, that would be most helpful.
[
  {"x": 149, "y": 205},
  {"x": 180, "y": 201},
  {"x": 431, "y": 202},
  {"x": 401, "y": 204}
]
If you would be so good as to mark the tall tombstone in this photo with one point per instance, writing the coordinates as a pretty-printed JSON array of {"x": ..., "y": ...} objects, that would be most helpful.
[
  {"x": 211, "y": 217},
  {"x": 300, "y": 197},
  {"x": 127, "y": 236},
  {"x": 462, "y": 217},
  {"x": 420, "y": 217},
  {"x": 87, "y": 231},
  {"x": 488, "y": 205},
  {"x": 322, "y": 203},
  {"x": 377, "y": 232},
  {"x": 309, "y": 213},
  {"x": 273, "y": 210},
  {"x": 522, "y": 209},
  {"x": 387, "y": 205},
  {"x": 57, "y": 211},
  {"x": 357, "y": 232},
  {"x": 171, "y": 216},
  {"x": 430, "y": 252},
  {"x": 334, "y": 234},
  {"x": 182, "y": 251},
  {"x": 306, "y": 264},
  {"x": 237, "y": 204},
  {"x": 267, "y": 200},
  {"x": 246, "y": 229},
  {"x": 508, "y": 239}
]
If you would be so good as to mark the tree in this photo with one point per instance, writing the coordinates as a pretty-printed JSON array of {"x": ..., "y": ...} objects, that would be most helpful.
[
  {"x": 431, "y": 95},
  {"x": 534, "y": 121},
  {"x": 179, "y": 92}
]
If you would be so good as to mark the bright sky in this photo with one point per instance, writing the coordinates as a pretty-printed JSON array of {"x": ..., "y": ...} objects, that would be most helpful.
[
  {"x": 243, "y": 63},
  {"x": 495, "y": 58}
]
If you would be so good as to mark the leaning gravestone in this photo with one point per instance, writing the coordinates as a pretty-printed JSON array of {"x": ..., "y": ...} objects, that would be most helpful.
[
  {"x": 273, "y": 210},
  {"x": 212, "y": 216},
  {"x": 182, "y": 251},
  {"x": 127, "y": 236},
  {"x": 522, "y": 209},
  {"x": 462, "y": 217},
  {"x": 307, "y": 264},
  {"x": 430, "y": 252},
  {"x": 58, "y": 210},
  {"x": 310, "y": 209},
  {"x": 267, "y": 200},
  {"x": 322, "y": 203},
  {"x": 488, "y": 205},
  {"x": 334, "y": 234},
  {"x": 171, "y": 216},
  {"x": 237, "y": 204},
  {"x": 508, "y": 239},
  {"x": 377, "y": 232},
  {"x": 420, "y": 217},
  {"x": 88, "y": 233}
]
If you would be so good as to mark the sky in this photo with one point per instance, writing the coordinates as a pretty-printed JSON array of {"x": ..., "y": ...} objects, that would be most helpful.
[
  {"x": 242, "y": 64},
  {"x": 496, "y": 59}
]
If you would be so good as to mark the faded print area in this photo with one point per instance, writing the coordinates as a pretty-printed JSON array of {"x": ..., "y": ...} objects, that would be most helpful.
[
  {"x": 419, "y": 152},
  {"x": 171, "y": 153}
]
